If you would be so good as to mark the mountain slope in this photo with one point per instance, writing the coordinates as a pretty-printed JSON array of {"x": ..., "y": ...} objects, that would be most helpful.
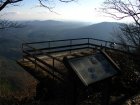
[{"x": 100, "y": 31}]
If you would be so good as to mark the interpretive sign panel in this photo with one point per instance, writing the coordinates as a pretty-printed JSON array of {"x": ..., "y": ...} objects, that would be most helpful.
[{"x": 93, "y": 68}]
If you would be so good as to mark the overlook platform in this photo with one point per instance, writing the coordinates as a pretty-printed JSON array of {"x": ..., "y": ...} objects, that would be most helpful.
[
  {"x": 46, "y": 57},
  {"x": 45, "y": 61}
]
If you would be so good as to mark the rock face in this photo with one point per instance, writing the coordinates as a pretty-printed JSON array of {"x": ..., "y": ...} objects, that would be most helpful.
[{"x": 133, "y": 101}]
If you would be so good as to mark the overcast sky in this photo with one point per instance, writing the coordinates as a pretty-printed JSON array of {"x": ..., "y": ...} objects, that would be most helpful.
[{"x": 82, "y": 10}]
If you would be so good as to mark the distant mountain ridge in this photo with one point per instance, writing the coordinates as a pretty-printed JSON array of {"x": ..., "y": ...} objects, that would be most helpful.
[
  {"x": 102, "y": 31},
  {"x": 50, "y": 30},
  {"x": 57, "y": 25}
]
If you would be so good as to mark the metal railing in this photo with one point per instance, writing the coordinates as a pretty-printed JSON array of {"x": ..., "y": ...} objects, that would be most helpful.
[
  {"x": 33, "y": 49},
  {"x": 69, "y": 44}
]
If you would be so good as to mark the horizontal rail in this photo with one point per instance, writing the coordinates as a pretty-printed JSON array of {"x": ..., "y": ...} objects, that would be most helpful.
[
  {"x": 71, "y": 43},
  {"x": 50, "y": 48},
  {"x": 112, "y": 42},
  {"x": 51, "y": 67},
  {"x": 70, "y": 48},
  {"x": 55, "y": 41},
  {"x": 43, "y": 62},
  {"x": 41, "y": 53},
  {"x": 46, "y": 70},
  {"x": 63, "y": 50},
  {"x": 25, "y": 44},
  {"x": 90, "y": 39}
]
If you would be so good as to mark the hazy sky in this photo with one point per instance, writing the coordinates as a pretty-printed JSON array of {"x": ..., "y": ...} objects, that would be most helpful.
[{"x": 82, "y": 10}]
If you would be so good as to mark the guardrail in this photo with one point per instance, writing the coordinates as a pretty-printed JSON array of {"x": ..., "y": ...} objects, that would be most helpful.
[
  {"x": 33, "y": 49},
  {"x": 69, "y": 44}
]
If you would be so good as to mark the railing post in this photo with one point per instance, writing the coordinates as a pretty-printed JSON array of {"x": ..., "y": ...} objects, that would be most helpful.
[
  {"x": 22, "y": 51},
  {"x": 35, "y": 64},
  {"x": 101, "y": 47},
  {"x": 35, "y": 59},
  {"x": 105, "y": 45},
  {"x": 53, "y": 62},
  {"x": 70, "y": 44},
  {"x": 49, "y": 44},
  {"x": 52, "y": 69},
  {"x": 88, "y": 42}
]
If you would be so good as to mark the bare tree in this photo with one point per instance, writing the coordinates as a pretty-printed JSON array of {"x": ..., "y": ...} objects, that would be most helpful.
[
  {"x": 44, "y": 3},
  {"x": 120, "y": 9},
  {"x": 130, "y": 34}
]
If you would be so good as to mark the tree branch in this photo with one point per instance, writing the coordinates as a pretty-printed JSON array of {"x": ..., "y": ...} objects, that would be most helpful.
[
  {"x": 4, "y": 4},
  {"x": 120, "y": 9}
]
